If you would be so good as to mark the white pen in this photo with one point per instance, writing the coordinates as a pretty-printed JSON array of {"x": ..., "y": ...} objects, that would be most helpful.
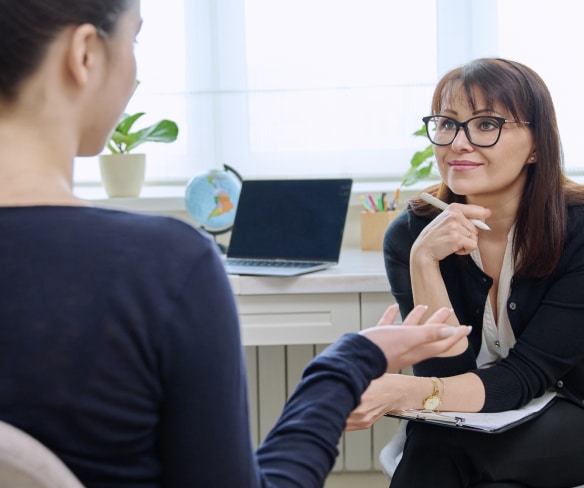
[{"x": 442, "y": 206}]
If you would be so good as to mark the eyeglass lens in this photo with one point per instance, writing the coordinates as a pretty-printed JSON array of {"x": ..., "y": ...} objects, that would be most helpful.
[{"x": 481, "y": 131}]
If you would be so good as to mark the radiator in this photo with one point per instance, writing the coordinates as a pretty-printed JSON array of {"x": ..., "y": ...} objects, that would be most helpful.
[{"x": 273, "y": 372}]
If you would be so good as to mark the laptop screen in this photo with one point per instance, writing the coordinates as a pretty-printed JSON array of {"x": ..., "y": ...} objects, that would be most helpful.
[{"x": 290, "y": 219}]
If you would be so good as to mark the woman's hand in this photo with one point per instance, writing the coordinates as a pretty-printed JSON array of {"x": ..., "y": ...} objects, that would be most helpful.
[
  {"x": 451, "y": 232},
  {"x": 383, "y": 395},
  {"x": 410, "y": 343}
]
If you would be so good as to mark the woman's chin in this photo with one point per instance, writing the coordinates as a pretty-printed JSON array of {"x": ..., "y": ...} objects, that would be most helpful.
[{"x": 462, "y": 187}]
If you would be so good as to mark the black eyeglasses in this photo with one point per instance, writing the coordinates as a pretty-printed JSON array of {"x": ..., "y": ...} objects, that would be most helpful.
[{"x": 481, "y": 131}]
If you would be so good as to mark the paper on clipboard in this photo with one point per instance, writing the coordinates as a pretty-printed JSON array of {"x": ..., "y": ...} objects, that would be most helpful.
[{"x": 486, "y": 422}]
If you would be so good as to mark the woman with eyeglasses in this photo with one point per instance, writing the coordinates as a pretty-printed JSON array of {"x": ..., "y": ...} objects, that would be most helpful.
[{"x": 520, "y": 285}]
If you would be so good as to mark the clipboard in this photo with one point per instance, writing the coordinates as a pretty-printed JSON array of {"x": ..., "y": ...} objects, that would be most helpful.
[{"x": 491, "y": 423}]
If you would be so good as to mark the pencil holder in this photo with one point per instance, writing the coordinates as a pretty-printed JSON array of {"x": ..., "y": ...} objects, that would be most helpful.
[{"x": 373, "y": 227}]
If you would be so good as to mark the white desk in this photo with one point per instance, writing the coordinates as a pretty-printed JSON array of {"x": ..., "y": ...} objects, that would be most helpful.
[{"x": 316, "y": 308}]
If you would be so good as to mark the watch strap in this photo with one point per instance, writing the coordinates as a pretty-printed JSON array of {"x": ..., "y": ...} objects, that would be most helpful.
[{"x": 433, "y": 401}]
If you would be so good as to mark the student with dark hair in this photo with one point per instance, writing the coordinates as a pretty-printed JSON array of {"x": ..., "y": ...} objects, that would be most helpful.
[
  {"x": 119, "y": 335},
  {"x": 520, "y": 285}
]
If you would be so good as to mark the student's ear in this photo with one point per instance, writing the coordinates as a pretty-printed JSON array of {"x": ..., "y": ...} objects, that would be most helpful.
[
  {"x": 82, "y": 54},
  {"x": 532, "y": 157}
]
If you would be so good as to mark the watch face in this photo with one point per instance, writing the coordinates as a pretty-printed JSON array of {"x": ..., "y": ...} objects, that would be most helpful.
[{"x": 432, "y": 402}]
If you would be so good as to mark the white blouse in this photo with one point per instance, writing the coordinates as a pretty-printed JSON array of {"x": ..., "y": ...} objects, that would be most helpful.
[{"x": 498, "y": 336}]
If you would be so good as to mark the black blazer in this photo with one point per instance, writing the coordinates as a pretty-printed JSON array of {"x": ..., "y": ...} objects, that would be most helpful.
[{"x": 547, "y": 317}]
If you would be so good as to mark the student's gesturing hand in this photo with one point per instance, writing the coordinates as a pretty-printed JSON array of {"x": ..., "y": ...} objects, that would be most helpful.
[
  {"x": 410, "y": 343},
  {"x": 402, "y": 345}
]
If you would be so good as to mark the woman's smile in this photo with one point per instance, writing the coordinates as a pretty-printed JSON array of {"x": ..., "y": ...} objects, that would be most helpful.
[{"x": 463, "y": 165}]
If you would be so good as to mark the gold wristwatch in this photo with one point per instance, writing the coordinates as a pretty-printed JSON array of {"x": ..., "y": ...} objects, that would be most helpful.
[{"x": 432, "y": 403}]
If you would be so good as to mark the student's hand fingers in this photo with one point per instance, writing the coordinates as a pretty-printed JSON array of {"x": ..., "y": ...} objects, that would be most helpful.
[
  {"x": 435, "y": 340},
  {"x": 415, "y": 316},
  {"x": 407, "y": 345},
  {"x": 440, "y": 316},
  {"x": 440, "y": 339},
  {"x": 389, "y": 315}
]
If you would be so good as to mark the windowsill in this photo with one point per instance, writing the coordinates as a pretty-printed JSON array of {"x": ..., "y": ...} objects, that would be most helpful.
[
  {"x": 170, "y": 198},
  {"x": 154, "y": 198}
]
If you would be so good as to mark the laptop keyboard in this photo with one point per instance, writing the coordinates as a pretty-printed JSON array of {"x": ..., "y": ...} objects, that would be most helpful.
[{"x": 270, "y": 263}]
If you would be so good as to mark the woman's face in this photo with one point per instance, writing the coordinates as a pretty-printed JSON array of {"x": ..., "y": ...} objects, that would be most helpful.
[
  {"x": 480, "y": 172},
  {"x": 117, "y": 84}
]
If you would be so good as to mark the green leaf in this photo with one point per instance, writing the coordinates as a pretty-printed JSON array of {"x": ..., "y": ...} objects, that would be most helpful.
[
  {"x": 127, "y": 121},
  {"x": 413, "y": 175},
  {"x": 421, "y": 132},
  {"x": 421, "y": 163},
  {"x": 113, "y": 147},
  {"x": 122, "y": 140},
  {"x": 408, "y": 177},
  {"x": 163, "y": 131},
  {"x": 424, "y": 172},
  {"x": 420, "y": 156}
]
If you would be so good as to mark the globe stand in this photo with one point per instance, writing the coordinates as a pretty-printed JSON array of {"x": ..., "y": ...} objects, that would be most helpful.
[{"x": 214, "y": 234}]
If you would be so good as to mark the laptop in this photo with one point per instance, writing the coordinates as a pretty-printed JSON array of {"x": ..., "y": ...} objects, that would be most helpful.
[{"x": 288, "y": 227}]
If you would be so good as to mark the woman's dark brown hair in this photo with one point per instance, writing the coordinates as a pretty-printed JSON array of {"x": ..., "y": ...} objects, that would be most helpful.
[
  {"x": 541, "y": 216},
  {"x": 28, "y": 26}
]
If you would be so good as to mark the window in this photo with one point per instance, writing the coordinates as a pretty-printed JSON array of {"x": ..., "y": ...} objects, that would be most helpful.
[
  {"x": 287, "y": 87},
  {"x": 339, "y": 90},
  {"x": 544, "y": 35},
  {"x": 284, "y": 88}
]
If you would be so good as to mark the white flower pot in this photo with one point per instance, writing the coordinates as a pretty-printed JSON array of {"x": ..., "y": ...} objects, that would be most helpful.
[{"x": 122, "y": 174}]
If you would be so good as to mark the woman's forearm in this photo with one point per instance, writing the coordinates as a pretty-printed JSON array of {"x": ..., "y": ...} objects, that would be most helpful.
[
  {"x": 461, "y": 393},
  {"x": 394, "y": 392},
  {"x": 428, "y": 287}
]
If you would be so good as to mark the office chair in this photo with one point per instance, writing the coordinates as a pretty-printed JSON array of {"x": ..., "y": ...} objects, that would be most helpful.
[{"x": 26, "y": 463}]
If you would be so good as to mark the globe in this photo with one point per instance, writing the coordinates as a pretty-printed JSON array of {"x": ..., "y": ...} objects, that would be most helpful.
[{"x": 211, "y": 199}]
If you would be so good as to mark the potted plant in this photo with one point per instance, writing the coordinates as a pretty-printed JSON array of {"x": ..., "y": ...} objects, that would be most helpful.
[
  {"x": 421, "y": 164},
  {"x": 123, "y": 171}
]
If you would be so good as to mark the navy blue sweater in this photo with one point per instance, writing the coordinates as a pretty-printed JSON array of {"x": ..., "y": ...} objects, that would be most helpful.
[
  {"x": 120, "y": 350},
  {"x": 547, "y": 317}
]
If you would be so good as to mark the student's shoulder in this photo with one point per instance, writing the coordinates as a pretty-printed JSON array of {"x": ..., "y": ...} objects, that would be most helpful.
[
  {"x": 137, "y": 221},
  {"x": 148, "y": 231}
]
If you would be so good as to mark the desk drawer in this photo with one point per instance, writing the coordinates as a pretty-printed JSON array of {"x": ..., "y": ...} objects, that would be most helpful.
[{"x": 298, "y": 319}]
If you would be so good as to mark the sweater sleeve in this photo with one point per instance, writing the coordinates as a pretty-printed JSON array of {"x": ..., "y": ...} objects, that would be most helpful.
[
  {"x": 204, "y": 433},
  {"x": 301, "y": 449}
]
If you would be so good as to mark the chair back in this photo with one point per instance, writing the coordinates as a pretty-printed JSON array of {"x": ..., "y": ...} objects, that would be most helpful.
[{"x": 26, "y": 463}]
